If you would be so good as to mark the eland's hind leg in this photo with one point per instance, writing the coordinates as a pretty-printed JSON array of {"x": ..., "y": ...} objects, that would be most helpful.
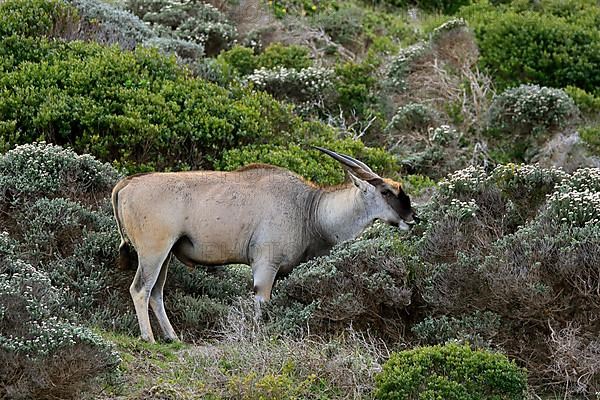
[
  {"x": 158, "y": 306},
  {"x": 149, "y": 268}
]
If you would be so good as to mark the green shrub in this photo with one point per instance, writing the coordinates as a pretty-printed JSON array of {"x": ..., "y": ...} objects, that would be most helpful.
[
  {"x": 414, "y": 185},
  {"x": 136, "y": 108},
  {"x": 241, "y": 59},
  {"x": 32, "y": 17},
  {"x": 586, "y": 102},
  {"x": 310, "y": 163},
  {"x": 355, "y": 88},
  {"x": 450, "y": 372},
  {"x": 538, "y": 47},
  {"x": 286, "y": 56},
  {"x": 591, "y": 136}
]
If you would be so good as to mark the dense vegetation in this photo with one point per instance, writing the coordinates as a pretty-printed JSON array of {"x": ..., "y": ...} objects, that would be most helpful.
[{"x": 494, "y": 295}]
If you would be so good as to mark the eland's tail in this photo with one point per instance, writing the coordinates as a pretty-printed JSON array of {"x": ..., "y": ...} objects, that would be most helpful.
[{"x": 127, "y": 253}]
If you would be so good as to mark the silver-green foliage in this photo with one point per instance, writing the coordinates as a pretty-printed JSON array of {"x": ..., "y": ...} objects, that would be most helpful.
[
  {"x": 114, "y": 25},
  {"x": 530, "y": 109},
  {"x": 363, "y": 282},
  {"x": 522, "y": 242},
  {"x": 41, "y": 168},
  {"x": 42, "y": 353}
]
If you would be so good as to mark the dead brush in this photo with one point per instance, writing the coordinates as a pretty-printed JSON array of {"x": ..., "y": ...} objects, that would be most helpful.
[
  {"x": 575, "y": 360},
  {"x": 447, "y": 74}
]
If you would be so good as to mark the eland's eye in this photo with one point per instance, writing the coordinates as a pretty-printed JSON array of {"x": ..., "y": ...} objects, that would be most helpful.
[{"x": 387, "y": 193}]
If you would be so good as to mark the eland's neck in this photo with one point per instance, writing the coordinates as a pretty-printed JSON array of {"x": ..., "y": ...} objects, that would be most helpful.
[{"x": 342, "y": 214}]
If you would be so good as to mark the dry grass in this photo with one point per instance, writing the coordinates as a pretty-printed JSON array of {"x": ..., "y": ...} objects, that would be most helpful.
[{"x": 248, "y": 363}]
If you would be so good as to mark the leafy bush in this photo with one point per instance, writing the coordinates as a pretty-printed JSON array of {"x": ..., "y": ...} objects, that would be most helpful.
[
  {"x": 32, "y": 17},
  {"x": 310, "y": 163},
  {"x": 138, "y": 108},
  {"x": 591, "y": 136},
  {"x": 450, "y": 372},
  {"x": 241, "y": 59},
  {"x": 538, "y": 47},
  {"x": 586, "y": 102},
  {"x": 289, "y": 57},
  {"x": 355, "y": 88}
]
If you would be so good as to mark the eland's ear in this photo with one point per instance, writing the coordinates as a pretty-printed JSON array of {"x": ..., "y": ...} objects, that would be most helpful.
[{"x": 359, "y": 183}]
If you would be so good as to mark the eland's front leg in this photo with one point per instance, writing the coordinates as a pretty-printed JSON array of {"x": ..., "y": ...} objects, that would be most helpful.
[{"x": 263, "y": 274}]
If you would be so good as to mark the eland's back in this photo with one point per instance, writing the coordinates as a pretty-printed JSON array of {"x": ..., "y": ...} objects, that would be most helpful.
[{"x": 212, "y": 217}]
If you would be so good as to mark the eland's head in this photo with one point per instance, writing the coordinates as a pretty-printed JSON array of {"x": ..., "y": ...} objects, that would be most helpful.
[{"x": 383, "y": 197}]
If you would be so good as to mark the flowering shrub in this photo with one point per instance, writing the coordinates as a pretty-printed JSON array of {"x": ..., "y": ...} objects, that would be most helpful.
[
  {"x": 199, "y": 23},
  {"x": 522, "y": 242},
  {"x": 41, "y": 168},
  {"x": 309, "y": 84},
  {"x": 41, "y": 354},
  {"x": 402, "y": 64},
  {"x": 576, "y": 202},
  {"x": 449, "y": 26},
  {"x": 185, "y": 50},
  {"x": 412, "y": 117},
  {"x": 530, "y": 109}
]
